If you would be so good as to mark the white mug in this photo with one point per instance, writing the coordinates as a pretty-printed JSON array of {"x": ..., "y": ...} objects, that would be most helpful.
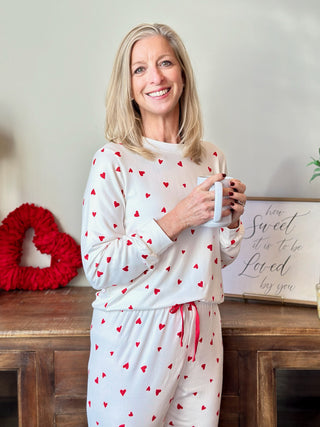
[{"x": 218, "y": 220}]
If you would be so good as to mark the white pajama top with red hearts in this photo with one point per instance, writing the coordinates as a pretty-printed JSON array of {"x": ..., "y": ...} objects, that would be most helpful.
[{"x": 125, "y": 253}]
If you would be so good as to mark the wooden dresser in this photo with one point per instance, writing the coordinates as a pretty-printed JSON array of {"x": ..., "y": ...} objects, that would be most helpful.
[{"x": 44, "y": 338}]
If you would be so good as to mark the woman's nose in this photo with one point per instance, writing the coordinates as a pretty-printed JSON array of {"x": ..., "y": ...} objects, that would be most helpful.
[{"x": 156, "y": 76}]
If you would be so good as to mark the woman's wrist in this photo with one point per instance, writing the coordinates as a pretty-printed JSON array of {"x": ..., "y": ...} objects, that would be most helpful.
[
  {"x": 234, "y": 225},
  {"x": 170, "y": 225}
]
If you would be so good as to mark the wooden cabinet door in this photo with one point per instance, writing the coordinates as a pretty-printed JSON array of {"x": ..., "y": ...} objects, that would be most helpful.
[
  {"x": 24, "y": 364},
  {"x": 71, "y": 371},
  {"x": 268, "y": 363}
]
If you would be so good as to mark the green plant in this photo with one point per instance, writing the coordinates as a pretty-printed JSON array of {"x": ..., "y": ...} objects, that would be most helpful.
[{"x": 316, "y": 163}]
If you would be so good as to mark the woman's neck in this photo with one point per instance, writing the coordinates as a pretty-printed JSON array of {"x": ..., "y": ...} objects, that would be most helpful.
[{"x": 162, "y": 129}]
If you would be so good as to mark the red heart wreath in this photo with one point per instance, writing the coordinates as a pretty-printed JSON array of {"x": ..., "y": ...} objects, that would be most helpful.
[{"x": 64, "y": 251}]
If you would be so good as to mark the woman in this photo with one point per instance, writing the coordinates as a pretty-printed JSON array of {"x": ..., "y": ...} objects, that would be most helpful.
[{"x": 156, "y": 346}]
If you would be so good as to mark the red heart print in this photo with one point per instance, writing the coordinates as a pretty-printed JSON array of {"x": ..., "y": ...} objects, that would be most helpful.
[
  {"x": 117, "y": 153},
  {"x": 126, "y": 366},
  {"x": 141, "y": 173},
  {"x": 105, "y": 404},
  {"x": 116, "y": 204},
  {"x": 158, "y": 391},
  {"x": 143, "y": 368},
  {"x": 123, "y": 392},
  {"x": 161, "y": 326},
  {"x": 136, "y": 214},
  {"x": 179, "y": 406},
  {"x": 103, "y": 175},
  {"x": 166, "y": 184}
]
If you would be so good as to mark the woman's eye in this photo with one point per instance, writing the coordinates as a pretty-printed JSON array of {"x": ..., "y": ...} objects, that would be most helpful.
[
  {"x": 138, "y": 70},
  {"x": 166, "y": 63}
]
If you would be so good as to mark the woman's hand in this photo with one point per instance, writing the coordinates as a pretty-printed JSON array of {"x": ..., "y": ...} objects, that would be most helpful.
[
  {"x": 197, "y": 208},
  {"x": 237, "y": 201}
]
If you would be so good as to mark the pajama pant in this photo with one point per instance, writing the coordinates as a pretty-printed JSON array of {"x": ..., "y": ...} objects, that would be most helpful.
[{"x": 143, "y": 370}]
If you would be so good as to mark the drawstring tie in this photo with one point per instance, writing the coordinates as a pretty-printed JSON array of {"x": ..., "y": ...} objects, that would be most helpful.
[{"x": 177, "y": 307}]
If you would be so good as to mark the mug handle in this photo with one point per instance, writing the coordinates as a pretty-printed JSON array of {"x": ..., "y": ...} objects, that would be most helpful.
[{"x": 217, "y": 201}]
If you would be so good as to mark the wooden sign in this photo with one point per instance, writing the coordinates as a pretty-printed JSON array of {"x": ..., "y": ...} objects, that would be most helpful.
[{"x": 280, "y": 253}]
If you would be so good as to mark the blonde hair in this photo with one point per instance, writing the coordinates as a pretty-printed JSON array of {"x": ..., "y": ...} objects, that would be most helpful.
[{"x": 123, "y": 119}]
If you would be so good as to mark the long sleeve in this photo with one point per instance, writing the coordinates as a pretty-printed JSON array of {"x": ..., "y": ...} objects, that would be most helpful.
[
  {"x": 230, "y": 242},
  {"x": 111, "y": 256}
]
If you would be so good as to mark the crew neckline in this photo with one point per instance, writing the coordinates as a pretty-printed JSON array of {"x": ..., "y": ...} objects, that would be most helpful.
[{"x": 166, "y": 146}]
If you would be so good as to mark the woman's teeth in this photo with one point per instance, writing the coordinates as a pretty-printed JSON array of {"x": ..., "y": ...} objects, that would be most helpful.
[{"x": 158, "y": 93}]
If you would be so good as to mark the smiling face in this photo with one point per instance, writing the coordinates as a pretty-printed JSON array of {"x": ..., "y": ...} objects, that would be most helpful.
[{"x": 156, "y": 78}]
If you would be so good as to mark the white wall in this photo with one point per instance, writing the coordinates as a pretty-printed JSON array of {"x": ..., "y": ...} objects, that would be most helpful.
[{"x": 257, "y": 65}]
